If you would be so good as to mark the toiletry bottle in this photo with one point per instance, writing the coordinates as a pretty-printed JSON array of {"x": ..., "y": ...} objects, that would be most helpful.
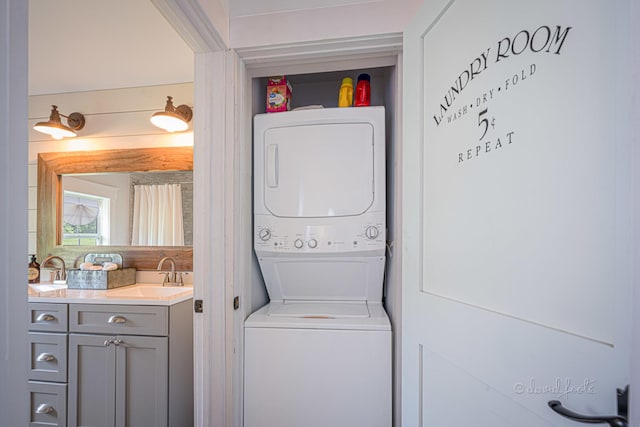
[
  {"x": 345, "y": 96},
  {"x": 34, "y": 270},
  {"x": 362, "y": 97}
]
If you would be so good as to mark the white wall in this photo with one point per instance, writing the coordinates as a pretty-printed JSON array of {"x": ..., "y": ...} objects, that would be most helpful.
[
  {"x": 304, "y": 21},
  {"x": 117, "y": 118}
]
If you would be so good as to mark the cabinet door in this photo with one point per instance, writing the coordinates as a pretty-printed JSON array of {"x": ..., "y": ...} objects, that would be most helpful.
[
  {"x": 141, "y": 381},
  {"x": 47, "y": 317},
  {"x": 118, "y": 319},
  {"x": 92, "y": 373},
  {"x": 48, "y": 404},
  {"x": 47, "y": 357}
]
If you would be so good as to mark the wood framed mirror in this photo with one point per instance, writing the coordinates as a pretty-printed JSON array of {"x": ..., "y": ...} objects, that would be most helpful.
[{"x": 51, "y": 168}]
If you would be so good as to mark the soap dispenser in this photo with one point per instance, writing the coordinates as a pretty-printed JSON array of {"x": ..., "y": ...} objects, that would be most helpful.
[{"x": 34, "y": 270}]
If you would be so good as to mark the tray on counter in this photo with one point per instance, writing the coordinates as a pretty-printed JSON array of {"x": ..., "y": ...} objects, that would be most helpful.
[{"x": 101, "y": 279}]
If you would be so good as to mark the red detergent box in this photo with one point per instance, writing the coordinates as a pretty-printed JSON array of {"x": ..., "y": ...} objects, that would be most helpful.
[{"x": 278, "y": 94}]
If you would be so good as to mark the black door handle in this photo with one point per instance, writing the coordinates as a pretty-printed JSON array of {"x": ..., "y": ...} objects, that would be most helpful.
[
  {"x": 619, "y": 420},
  {"x": 613, "y": 421}
]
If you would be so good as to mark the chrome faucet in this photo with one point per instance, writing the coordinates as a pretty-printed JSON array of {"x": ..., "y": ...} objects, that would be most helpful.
[
  {"x": 61, "y": 274},
  {"x": 171, "y": 278}
]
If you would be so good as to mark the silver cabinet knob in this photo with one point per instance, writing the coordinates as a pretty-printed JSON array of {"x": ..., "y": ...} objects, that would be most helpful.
[
  {"x": 117, "y": 319},
  {"x": 45, "y": 317},
  {"x": 45, "y": 357},
  {"x": 44, "y": 409}
]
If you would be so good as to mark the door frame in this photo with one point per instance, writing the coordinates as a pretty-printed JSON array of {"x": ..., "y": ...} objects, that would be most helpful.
[
  {"x": 634, "y": 114},
  {"x": 14, "y": 402},
  {"x": 213, "y": 124}
]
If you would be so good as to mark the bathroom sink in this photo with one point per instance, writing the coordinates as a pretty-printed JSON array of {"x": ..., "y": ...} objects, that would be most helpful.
[
  {"x": 142, "y": 293},
  {"x": 150, "y": 291},
  {"x": 45, "y": 289}
]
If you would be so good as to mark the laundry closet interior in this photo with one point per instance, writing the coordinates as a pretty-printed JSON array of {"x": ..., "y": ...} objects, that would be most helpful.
[{"x": 318, "y": 84}]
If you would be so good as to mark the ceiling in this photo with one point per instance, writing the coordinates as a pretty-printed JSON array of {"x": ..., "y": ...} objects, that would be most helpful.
[
  {"x": 82, "y": 45},
  {"x": 240, "y": 8}
]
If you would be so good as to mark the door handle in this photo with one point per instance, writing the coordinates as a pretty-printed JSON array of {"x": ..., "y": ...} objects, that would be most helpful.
[
  {"x": 619, "y": 420},
  {"x": 45, "y": 317},
  {"x": 43, "y": 408},
  {"x": 272, "y": 165},
  {"x": 45, "y": 357},
  {"x": 117, "y": 319}
]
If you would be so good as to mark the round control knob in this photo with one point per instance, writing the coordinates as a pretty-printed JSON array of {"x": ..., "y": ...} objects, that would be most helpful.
[
  {"x": 371, "y": 232},
  {"x": 297, "y": 243},
  {"x": 312, "y": 243},
  {"x": 264, "y": 234}
]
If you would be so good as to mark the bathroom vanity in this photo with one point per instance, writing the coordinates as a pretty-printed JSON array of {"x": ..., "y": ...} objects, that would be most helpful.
[{"x": 121, "y": 357}]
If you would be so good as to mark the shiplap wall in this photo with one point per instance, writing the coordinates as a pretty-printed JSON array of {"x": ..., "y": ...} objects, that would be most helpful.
[{"x": 115, "y": 119}]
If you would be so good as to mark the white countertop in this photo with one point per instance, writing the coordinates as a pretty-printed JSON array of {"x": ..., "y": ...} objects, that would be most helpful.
[{"x": 138, "y": 294}]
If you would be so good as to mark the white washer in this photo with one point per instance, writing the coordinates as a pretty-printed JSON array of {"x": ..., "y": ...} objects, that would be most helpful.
[
  {"x": 332, "y": 370},
  {"x": 319, "y": 354}
]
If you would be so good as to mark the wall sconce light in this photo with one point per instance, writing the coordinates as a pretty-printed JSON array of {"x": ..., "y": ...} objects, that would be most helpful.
[
  {"x": 56, "y": 129},
  {"x": 173, "y": 119}
]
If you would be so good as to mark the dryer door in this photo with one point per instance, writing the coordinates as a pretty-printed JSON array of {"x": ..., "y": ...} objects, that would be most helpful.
[{"x": 319, "y": 170}]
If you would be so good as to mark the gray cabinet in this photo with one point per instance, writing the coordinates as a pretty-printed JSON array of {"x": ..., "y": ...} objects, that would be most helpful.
[
  {"x": 48, "y": 364},
  {"x": 119, "y": 380},
  {"x": 126, "y": 365},
  {"x": 47, "y": 357},
  {"x": 47, "y": 317},
  {"x": 48, "y": 404}
]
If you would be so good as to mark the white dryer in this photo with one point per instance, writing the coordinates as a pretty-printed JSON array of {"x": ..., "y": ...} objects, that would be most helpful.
[{"x": 320, "y": 352}]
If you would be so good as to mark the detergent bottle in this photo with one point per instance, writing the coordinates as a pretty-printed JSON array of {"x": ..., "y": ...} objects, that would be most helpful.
[
  {"x": 362, "y": 97},
  {"x": 345, "y": 96}
]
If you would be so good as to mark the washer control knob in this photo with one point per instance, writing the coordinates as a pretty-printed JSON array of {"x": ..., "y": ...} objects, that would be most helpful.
[
  {"x": 298, "y": 243},
  {"x": 264, "y": 234},
  {"x": 371, "y": 232},
  {"x": 312, "y": 243}
]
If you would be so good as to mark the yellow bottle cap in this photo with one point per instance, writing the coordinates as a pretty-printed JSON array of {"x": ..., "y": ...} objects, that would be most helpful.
[{"x": 347, "y": 81}]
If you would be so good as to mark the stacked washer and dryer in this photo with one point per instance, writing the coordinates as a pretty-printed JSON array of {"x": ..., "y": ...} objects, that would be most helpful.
[{"x": 319, "y": 353}]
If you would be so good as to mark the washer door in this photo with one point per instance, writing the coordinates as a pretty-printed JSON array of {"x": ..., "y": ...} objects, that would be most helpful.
[
  {"x": 319, "y": 170},
  {"x": 320, "y": 310}
]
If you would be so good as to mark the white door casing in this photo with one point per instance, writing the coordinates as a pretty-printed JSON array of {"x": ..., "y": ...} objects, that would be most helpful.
[
  {"x": 517, "y": 179},
  {"x": 14, "y": 404},
  {"x": 214, "y": 214}
]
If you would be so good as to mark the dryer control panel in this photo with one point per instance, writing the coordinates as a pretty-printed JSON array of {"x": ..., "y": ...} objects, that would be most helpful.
[{"x": 294, "y": 236}]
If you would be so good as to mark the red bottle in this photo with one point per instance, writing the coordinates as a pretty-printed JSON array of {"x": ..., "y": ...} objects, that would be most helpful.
[{"x": 362, "y": 97}]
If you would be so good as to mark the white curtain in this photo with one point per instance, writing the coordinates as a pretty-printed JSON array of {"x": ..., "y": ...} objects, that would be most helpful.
[{"x": 157, "y": 215}]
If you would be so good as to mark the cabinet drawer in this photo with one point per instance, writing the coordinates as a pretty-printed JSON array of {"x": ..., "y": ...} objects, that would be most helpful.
[
  {"x": 47, "y": 357},
  {"x": 47, "y": 317},
  {"x": 118, "y": 319},
  {"x": 48, "y": 404}
]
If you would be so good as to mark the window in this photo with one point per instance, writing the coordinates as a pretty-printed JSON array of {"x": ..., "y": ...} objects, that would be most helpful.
[{"x": 85, "y": 219}]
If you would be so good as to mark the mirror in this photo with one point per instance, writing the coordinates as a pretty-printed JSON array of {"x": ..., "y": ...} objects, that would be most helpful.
[
  {"x": 128, "y": 209},
  {"x": 50, "y": 217}
]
